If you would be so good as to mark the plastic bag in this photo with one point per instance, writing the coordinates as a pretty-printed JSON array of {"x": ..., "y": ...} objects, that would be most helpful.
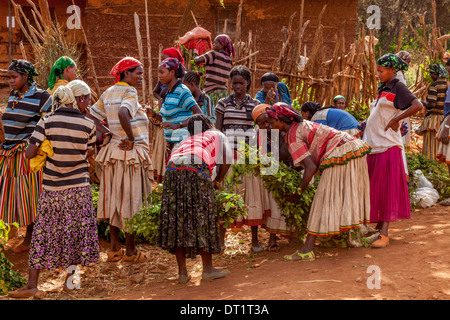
[
  {"x": 425, "y": 197},
  {"x": 423, "y": 181},
  {"x": 38, "y": 162}
]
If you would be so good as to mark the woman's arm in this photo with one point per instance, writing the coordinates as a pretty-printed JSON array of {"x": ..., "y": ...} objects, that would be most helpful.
[
  {"x": 199, "y": 59},
  {"x": 308, "y": 174},
  {"x": 415, "y": 107}
]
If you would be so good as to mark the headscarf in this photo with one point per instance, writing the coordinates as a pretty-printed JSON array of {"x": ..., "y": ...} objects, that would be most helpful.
[
  {"x": 259, "y": 110},
  {"x": 269, "y": 76},
  {"x": 63, "y": 96},
  {"x": 439, "y": 69},
  {"x": 58, "y": 67},
  {"x": 173, "y": 53},
  {"x": 225, "y": 40},
  {"x": 123, "y": 65},
  {"x": 173, "y": 64},
  {"x": 79, "y": 88},
  {"x": 282, "y": 111},
  {"x": 338, "y": 97},
  {"x": 390, "y": 60},
  {"x": 404, "y": 55},
  {"x": 22, "y": 67}
]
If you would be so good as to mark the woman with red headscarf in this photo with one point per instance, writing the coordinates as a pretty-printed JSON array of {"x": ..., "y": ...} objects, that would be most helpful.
[
  {"x": 127, "y": 172},
  {"x": 342, "y": 199}
]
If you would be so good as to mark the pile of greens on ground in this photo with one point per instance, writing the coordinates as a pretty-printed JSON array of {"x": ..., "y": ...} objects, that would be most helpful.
[
  {"x": 283, "y": 185},
  {"x": 9, "y": 279}
]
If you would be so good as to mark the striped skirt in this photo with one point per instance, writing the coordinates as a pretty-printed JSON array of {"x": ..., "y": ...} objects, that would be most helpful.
[
  {"x": 20, "y": 187},
  {"x": 430, "y": 127}
]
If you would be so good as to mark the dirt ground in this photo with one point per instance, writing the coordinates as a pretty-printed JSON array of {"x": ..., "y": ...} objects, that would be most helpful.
[{"x": 416, "y": 265}]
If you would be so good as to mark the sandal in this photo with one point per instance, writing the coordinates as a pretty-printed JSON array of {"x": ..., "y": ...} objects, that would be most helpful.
[
  {"x": 381, "y": 242},
  {"x": 139, "y": 257},
  {"x": 21, "y": 248},
  {"x": 274, "y": 247},
  {"x": 215, "y": 274},
  {"x": 184, "y": 278},
  {"x": 115, "y": 256},
  {"x": 297, "y": 256},
  {"x": 26, "y": 293},
  {"x": 334, "y": 243}
]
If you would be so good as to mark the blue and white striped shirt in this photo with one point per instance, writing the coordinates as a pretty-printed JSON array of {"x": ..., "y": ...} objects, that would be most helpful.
[
  {"x": 175, "y": 109},
  {"x": 19, "y": 121}
]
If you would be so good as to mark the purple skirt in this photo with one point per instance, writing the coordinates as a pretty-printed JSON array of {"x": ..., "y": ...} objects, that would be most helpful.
[
  {"x": 389, "y": 197},
  {"x": 65, "y": 231}
]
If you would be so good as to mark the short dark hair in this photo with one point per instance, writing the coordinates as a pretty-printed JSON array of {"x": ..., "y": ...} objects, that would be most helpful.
[
  {"x": 198, "y": 117},
  {"x": 244, "y": 72},
  {"x": 193, "y": 77}
]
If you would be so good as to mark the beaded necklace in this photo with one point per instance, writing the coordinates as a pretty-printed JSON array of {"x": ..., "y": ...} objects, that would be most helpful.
[
  {"x": 238, "y": 105},
  {"x": 17, "y": 97}
]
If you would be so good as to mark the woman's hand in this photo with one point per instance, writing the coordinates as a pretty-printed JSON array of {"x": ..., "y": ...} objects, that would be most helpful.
[
  {"x": 393, "y": 124},
  {"x": 271, "y": 95},
  {"x": 149, "y": 111},
  {"x": 126, "y": 144},
  {"x": 169, "y": 125},
  {"x": 443, "y": 137},
  {"x": 106, "y": 140}
]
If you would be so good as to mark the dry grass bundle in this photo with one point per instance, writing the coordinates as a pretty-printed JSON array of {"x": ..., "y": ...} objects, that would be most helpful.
[{"x": 48, "y": 41}]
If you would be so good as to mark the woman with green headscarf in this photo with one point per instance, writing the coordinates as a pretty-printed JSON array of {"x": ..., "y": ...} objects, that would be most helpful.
[
  {"x": 389, "y": 197},
  {"x": 435, "y": 109},
  {"x": 63, "y": 71}
]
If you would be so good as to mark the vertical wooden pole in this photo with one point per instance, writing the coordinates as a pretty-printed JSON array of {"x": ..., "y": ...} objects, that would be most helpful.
[
  {"x": 149, "y": 53},
  {"x": 141, "y": 55}
]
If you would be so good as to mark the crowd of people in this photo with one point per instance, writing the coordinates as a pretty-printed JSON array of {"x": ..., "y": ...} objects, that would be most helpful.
[{"x": 196, "y": 134}]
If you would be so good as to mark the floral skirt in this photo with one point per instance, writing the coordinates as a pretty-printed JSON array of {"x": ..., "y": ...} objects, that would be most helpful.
[
  {"x": 188, "y": 211},
  {"x": 65, "y": 230}
]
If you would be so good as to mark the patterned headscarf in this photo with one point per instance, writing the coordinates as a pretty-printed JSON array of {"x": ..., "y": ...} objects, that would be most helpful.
[
  {"x": 173, "y": 64},
  {"x": 225, "y": 40},
  {"x": 22, "y": 67},
  {"x": 282, "y": 111},
  {"x": 259, "y": 110},
  {"x": 439, "y": 69},
  {"x": 173, "y": 53},
  {"x": 123, "y": 65},
  {"x": 58, "y": 67},
  {"x": 390, "y": 60}
]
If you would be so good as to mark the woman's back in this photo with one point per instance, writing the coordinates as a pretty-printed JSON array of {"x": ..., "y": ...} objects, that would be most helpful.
[{"x": 71, "y": 135}]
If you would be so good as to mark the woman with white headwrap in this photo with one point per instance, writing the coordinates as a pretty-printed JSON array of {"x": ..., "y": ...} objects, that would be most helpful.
[{"x": 65, "y": 231}]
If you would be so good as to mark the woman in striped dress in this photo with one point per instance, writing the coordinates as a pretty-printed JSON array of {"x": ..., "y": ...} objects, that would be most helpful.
[
  {"x": 435, "y": 109},
  {"x": 127, "y": 173},
  {"x": 19, "y": 185},
  {"x": 65, "y": 232}
]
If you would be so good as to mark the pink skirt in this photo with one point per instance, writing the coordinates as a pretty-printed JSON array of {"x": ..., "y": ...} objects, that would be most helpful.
[{"x": 389, "y": 197}]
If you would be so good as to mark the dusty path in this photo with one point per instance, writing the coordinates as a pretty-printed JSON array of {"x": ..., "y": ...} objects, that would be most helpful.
[{"x": 416, "y": 265}]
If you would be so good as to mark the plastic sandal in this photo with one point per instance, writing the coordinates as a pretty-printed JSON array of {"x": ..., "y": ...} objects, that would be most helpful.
[
  {"x": 139, "y": 257},
  {"x": 215, "y": 274},
  {"x": 274, "y": 247},
  {"x": 184, "y": 278},
  {"x": 334, "y": 243},
  {"x": 381, "y": 242},
  {"x": 21, "y": 248},
  {"x": 297, "y": 256},
  {"x": 115, "y": 256},
  {"x": 28, "y": 293}
]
